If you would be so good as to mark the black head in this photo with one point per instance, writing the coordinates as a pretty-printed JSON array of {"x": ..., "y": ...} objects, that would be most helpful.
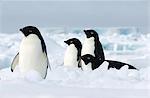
[
  {"x": 33, "y": 30},
  {"x": 88, "y": 58},
  {"x": 30, "y": 30},
  {"x": 74, "y": 41},
  {"x": 91, "y": 33},
  {"x": 77, "y": 44}
]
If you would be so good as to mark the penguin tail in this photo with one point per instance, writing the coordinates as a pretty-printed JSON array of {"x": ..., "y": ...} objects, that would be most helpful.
[{"x": 132, "y": 67}]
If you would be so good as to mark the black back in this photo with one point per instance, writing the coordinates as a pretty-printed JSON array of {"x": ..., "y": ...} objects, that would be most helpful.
[
  {"x": 88, "y": 58},
  {"x": 118, "y": 65},
  {"x": 78, "y": 45},
  {"x": 33, "y": 30},
  {"x": 99, "y": 53}
]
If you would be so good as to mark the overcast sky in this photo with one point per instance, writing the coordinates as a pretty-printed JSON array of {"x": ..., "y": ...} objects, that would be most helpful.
[
  {"x": 60, "y": 13},
  {"x": 74, "y": 0}
]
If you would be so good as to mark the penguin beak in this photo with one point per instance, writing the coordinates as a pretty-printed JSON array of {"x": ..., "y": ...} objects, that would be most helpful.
[
  {"x": 87, "y": 34},
  {"x": 84, "y": 30},
  {"x": 66, "y": 42},
  {"x": 21, "y": 30}
]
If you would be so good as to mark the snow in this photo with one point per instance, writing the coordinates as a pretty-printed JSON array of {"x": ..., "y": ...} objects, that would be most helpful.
[{"x": 64, "y": 81}]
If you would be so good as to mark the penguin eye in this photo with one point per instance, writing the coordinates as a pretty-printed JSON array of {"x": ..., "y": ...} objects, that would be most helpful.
[
  {"x": 92, "y": 33},
  {"x": 88, "y": 58},
  {"x": 30, "y": 31},
  {"x": 71, "y": 41}
]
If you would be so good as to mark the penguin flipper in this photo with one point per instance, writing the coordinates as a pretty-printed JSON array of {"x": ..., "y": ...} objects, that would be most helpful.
[
  {"x": 48, "y": 64},
  {"x": 15, "y": 62},
  {"x": 45, "y": 63}
]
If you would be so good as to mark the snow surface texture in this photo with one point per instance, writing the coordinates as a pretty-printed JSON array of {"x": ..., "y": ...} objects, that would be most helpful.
[{"x": 122, "y": 44}]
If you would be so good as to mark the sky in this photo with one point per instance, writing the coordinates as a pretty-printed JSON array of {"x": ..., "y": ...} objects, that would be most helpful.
[
  {"x": 75, "y": 0},
  {"x": 149, "y": 16},
  {"x": 0, "y": 16},
  {"x": 48, "y": 13}
]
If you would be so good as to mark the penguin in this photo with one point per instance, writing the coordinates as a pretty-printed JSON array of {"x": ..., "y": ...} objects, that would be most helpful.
[
  {"x": 32, "y": 54},
  {"x": 73, "y": 53},
  {"x": 118, "y": 65},
  {"x": 93, "y": 46},
  {"x": 89, "y": 62},
  {"x": 92, "y": 62}
]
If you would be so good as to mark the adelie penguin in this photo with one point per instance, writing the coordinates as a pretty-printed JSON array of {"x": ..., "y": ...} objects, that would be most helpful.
[
  {"x": 92, "y": 46},
  {"x": 32, "y": 54},
  {"x": 92, "y": 63},
  {"x": 73, "y": 53}
]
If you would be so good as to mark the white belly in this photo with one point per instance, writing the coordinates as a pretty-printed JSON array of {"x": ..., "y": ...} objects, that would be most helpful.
[
  {"x": 31, "y": 56},
  {"x": 87, "y": 67},
  {"x": 88, "y": 46},
  {"x": 104, "y": 66},
  {"x": 70, "y": 58}
]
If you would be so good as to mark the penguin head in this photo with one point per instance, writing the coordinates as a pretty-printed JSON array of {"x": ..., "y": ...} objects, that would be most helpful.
[
  {"x": 91, "y": 33},
  {"x": 74, "y": 41},
  {"x": 30, "y": 30},
  {"x": 88, "y": 58}
]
